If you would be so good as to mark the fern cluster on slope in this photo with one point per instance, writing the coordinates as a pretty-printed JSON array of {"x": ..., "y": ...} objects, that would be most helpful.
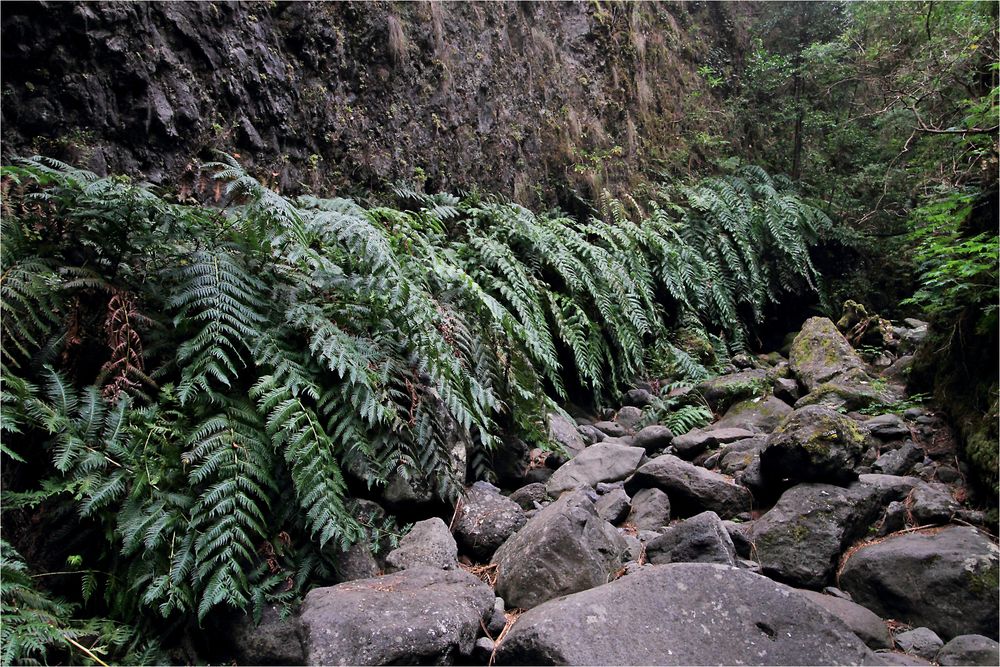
[{"x": 209, "y": 383}]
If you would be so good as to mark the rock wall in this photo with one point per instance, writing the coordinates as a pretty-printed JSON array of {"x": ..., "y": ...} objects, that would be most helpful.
[{"x": 518, "y": 98}]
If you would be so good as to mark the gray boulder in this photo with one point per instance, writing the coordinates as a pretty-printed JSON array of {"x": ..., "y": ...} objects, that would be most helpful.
[
  {"x": 691, "y": 489},
  {"x": 902, "y": 659},
  {"x": 922, "y": 642},
  {"x": 563, "y": 549},
  {"x": 429, "y": 543},
  {"x": 786, "y": 389},
  {"x": 486, "y": 519},
  {"x": 945, "y": 580},
  {"x": 654, "y": 437},
  {"x": 611, "y": 428},
  {"x": 932, "y": 503},
  {"x": 591, "y": 434},
  {"x": 813, "y": 444},
  {"x": 853, "y": 390},
  {"x": 737, "y": 456},
  {"x": 800, "y": 539},
  {"x": 416, "y": 616},
  {"x": 628, "y": 417},
  {"x": 274, "y": 641},
  {"x": 890, "y": 487},
  {"x": 696, "y": 441},
  {"x": 564, "y": 433},
  {"x": 899, "y": 461},
  {"x": 820, "y": 353},
  {"x": 970, "y": 650},
  {"x": 528, "y": 495},
  {"x": 701, "y": 539},
  {"x": 650, "y": 509},
  {"x": 757, "y": 415},
  {"x": 603, "y": 462},
  {"x": 682, "y": 614},
  {"x": 866, "y": 625},
  {"x": 639, "y": 398},
  {"x": 613, "y": 506}
]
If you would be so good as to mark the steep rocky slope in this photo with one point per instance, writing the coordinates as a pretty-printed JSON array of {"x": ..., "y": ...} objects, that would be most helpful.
[{"x": 506, "y": 96}]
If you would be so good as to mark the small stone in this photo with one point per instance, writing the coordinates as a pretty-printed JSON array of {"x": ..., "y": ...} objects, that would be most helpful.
[
  {"x": 483, "y": 649},
  {"x": 922, "y": 642},
  {"x": 894, "y": 519},
  {"x": 528, "y": 495},
  {"x": 787, "y": 390},
  {"x": 947, "y": 474},
  {"x": 592, "y": 434}
]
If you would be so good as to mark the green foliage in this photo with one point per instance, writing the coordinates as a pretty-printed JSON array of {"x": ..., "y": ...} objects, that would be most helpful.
[
  {"x": 205, "y": 383},
  {"x": 956, "y": 271}
]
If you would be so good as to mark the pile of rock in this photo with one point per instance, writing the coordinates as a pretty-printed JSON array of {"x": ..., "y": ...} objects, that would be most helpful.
[{"x": 786, "y": 532}]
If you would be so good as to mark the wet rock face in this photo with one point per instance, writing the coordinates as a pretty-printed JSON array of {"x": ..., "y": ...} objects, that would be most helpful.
[{"x": 335, "y": 94}]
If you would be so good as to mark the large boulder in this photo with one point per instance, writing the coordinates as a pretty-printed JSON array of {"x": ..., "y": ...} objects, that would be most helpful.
[
  {"x": 429, "y": 543},
  {"x": 701, "y": 539},
  {"x": 943, "y": 579},
  {"x": 691, "y": 489},
  {"x": 563, "y": 549},
  {"x": 813, "y": 444},
  {"x": 486, "y": 519},
  {"x": 800, "y": 539},
  {"x": 758, "y": 415},
  {"x": 682, "y": 614},
  {"x": 563, "y": 432},
  {"x": 820, "y": 353},
  {"x": 603, "y": 462},
  {"x": 613, "y": 506},
  {"x": 863, "y": 622},
  {"x": 417, "y": 616}
]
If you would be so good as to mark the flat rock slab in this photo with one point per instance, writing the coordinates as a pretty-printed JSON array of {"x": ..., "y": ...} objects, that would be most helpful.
[
  {"x": 945, "y": 580},
  {"x": 691, "y": 489},
  {"x": 603, "y": 462},
  {"x": 682, "y": 614},
  {"x": 415, "y": 616},
  {"x": 697, "y": 440}
]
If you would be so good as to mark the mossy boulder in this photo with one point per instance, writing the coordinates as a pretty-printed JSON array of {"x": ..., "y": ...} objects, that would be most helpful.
[
  {"x": 820, "y": 353},
  {"x": 759, "y": 415},
  {"x": 813, "y": 444},
  {"x": 722, "y": 391},
  {"x": 853, "y": 390}
]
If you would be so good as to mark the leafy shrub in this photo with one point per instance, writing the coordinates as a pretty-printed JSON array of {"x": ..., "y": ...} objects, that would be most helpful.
[{"x": 206, "y": 382}]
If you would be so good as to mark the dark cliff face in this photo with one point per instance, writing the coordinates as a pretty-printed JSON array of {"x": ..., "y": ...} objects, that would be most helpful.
[{"x": 503, "y": 96}]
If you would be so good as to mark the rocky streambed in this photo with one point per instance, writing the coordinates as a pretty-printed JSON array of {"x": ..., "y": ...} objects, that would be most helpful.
[{"x": 791, "y": 530}]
